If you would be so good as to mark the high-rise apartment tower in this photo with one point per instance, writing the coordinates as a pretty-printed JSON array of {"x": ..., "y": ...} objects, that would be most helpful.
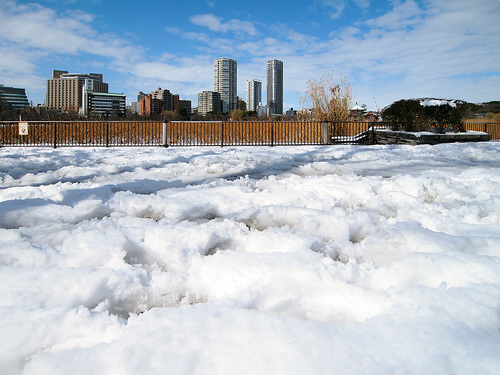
[
  {"x": 275, "y": 87},
  {"x": 254, "y": 94},
  {"x": 225, "y": 82}
]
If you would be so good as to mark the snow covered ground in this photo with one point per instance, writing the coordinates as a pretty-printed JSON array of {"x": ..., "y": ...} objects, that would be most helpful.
[{"x": 257, "y": 260}]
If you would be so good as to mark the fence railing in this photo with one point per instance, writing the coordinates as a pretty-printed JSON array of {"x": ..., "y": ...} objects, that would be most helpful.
[
  {"x": 81, "y": 133},
  {"x": 197, "y": 133},
  {"x": 244, "y": 133},
  {"x": 491, "y": 128}
]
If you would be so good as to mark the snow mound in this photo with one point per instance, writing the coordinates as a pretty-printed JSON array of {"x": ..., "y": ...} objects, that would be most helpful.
[
  {"x": 437, "y": 102},
  {"x": 289, "y": 260}
]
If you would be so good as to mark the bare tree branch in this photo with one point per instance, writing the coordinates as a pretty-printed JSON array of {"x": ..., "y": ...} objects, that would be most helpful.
[{"x": 329, "y": 97}]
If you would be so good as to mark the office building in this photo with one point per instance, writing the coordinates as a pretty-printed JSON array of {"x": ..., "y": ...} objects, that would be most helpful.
[
  {"x": 225, "y": 82},
  {"x": 275, "y": 87},
  {"x": 209, "y": 101},
  {"x": 103, "y": 104},
  {"x": 254, "y": 94},
  {"x": 65, "y": 90},
  {"x": 135, "y": 107},
  {"x": 165, "y": 96},
  {"x": 13, "y": 98},
  {"x": 262, "y": 111},
  {"x": 185, "y": 104},
  {"x": 140, "y": 96},
  {"x": 179, "y": 103},
  {"x": 151, "y": 106},
  {"x": 175, "y": 102}
]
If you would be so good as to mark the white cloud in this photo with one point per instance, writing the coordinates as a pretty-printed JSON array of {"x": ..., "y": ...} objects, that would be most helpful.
[
  {"x": 337, "y": 7},
  {"x": 403, "y": 15},
  {"x": 412, "y": 51},
  {"x": 190, "y": 35},
  {"x": 215, "y": 23},
  {"x": 38, "y": 28}
]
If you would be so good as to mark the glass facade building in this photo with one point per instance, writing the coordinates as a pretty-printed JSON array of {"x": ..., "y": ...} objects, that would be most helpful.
[
  {"x": 13, "y": 98},
  {"x": 275, "y": 87}
]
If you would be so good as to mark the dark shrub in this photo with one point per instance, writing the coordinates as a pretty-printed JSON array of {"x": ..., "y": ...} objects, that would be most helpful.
[
  {"x": 406, "y": 114},
  {"x": 412, "y": 116}
]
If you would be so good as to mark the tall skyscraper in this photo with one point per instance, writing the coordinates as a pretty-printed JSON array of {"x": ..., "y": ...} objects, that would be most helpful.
[
  {"x": 225, "y": 82},
  {"x": 275, "y": 87},
  {"x": 254, "y": 94}
]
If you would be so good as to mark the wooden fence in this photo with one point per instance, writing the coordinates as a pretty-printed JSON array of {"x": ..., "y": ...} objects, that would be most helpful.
[
  {"x": 196, "y": 133},
  {"x": 491, "y": 128},
  {"x": 81, "y": 133},
  {"x": 244, "y": 133}
]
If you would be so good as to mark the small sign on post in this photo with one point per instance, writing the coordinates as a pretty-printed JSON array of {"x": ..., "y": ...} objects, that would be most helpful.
[{"x": 23, "y": 128}]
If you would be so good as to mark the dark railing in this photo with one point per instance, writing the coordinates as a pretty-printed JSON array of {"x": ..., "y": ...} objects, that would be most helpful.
[{"x": 197, "y": 133}]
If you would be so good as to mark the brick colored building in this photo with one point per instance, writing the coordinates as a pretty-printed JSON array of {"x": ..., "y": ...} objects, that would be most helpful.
[{"x": 151, "y": 106}]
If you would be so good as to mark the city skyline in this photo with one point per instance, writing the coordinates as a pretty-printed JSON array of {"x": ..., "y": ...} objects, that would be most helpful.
[{"x": 388, "y": 50}]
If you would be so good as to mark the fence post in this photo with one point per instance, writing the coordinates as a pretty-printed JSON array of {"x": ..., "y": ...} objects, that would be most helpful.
[
  {"x": 272, "y": 134},
  {"x": 55, "y": 134},
  {"x": 222, "y": 134},
  {"x": 164, "y": 138},
  {"x": 374, "y": 140},
  {"x": 326, "y": 140},
  {"x": 107, "y": 134}
]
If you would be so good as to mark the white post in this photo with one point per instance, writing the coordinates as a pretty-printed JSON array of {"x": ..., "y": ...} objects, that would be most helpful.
[
  {"x": 325, "y": 134},
  {"x": 164, "y": 139}
]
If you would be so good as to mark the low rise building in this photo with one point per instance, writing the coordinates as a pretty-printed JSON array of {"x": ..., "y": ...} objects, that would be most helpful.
[
  {"x": 241, "y": 104},
  {"x": 135, "y": 107},
  {"x": 13, "y": 98},
  {"x": 209, "y": 101},
  {"x": 185, "y": 104},
  {"x": 166, "y": 97},
  {"x": 104, "y": 104},
  {"x": 151, "y": 106}
]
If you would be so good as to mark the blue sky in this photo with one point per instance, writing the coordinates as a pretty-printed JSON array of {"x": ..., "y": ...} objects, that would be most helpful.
[{"x": 389, "y": 50}]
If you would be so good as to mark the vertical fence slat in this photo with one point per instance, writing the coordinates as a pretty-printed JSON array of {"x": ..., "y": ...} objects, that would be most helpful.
[{"x": 55, "y": 134}]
